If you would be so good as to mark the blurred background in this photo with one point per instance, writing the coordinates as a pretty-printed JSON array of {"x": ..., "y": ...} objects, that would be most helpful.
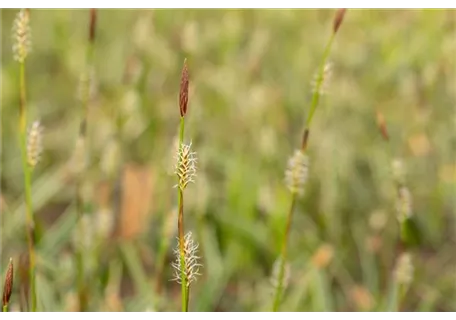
[{"x": 250, "y": 89}]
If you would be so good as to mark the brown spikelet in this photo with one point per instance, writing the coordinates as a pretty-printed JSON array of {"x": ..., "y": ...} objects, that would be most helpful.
[
  {"x": 8, "y": 287},
  {"x": 340, "y": 13},
  {"x": 381, "y": 123},
  {"x": 93, "y": 23},
  {"x": 305, "y": 138},
  {"x": 183, "y": 93}
]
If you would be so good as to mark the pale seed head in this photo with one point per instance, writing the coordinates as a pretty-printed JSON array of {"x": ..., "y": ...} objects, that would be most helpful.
[
  {"x": 22, "y": 39},
  {"x": 78, "y": 160},
  {"x": 404, "y": 204},
  {"x": 190, "y": 264},
  {"x": 87, "y": 87},
  {"x": 34, "y": 144},
  {"x": 320, "y": 82},
  {"x": 297, "y": 172},
  {"x": 185, "y": 168},
  {"x": 404, "y": 269},
  {"x": 276, "y": 274},
  {"x": 398, "y": 170}
]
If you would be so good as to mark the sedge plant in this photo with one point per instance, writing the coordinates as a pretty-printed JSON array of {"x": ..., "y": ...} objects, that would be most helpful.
[
  {"x": 82, "y": 155},
  {"x": 408, "y": 234},
  {"x": 186, "y": 265},
  {"x": 21, "y": 49},
  {"x": 297, "y": 169}
]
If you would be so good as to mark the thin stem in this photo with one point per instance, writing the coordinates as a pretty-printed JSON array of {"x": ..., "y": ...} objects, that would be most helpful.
[
  {"x": 85, "y": 145},
  {"x": 187, "y": 296},
  {"x": 400, "y": 295},
  {"x": 27, "y": 183},
  {"x": 181, "y": 131},
  {"x": 397, "y": 294},
  {"x": 401, "y": 287},
  {"x": 313, "y": 107},
  {"x": 283, "y": 258},
  {"x": 180, "y": 227}
]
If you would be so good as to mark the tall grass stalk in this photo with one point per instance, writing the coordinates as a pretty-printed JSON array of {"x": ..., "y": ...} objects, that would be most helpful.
[
  {"x": 186, "y": 265},
  {"x": 180, "y": 227},
  {"x": 83, "y": 155},
  {"x": 297, "y": 171},
  {"x": 183, "y": 101},
  {"x": 21, "y": 48},
  {"x": 403, "y": 273}
]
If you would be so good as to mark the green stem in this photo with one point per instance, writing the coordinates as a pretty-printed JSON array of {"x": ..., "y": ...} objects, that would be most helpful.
[
  {"x": 80, "y": 201},
  {"x": 27, "y": 183},
  {"x": 5, "y": 308},
  {"x": 180, "y": 227},
  {"x": 80, "y": 280},
  {"x": 181, "y": 131},
  {"x": 283, "y": 257},
  {"x": 187, "y": 297},
  {"x": 400, "y": 295},
  {"x": 396, "y": 297},
  {"x": 401, "y": 288},
  {"x": 313, "y": 107}
]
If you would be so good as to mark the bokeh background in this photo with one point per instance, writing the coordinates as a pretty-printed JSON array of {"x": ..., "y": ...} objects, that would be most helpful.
[{"x": 250, "y": 88}]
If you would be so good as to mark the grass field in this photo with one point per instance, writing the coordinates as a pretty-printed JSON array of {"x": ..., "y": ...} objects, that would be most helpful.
[{"x": 105, "y": 232}]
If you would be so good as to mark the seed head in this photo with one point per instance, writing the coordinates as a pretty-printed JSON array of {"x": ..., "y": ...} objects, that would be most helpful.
[
  {"x": 276, "y": 274},
  {"x": 87, "y": 87},
  {"x": 339, "y": 17},
  {"x": 297, "y": 172},
  {"x": 398, "y": 171},
  {"x": 404, "y": 204},
  {"x": 404, "y": 269},
  {"x": 183, "y": 93},
  {"x": 190, "y": 262},
  {"x": 320, "y": 83},
  {"x": 93, "y": 23},
  {"x": 34, "y": 144},
  {"x": 8, "y": 286},
  {"x": 22, "y": 42},
  {"x": 185, "y": 165},
  {"x": 78, "y": 161}
]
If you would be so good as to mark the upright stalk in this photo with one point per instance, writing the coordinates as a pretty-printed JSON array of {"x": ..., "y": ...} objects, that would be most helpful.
[
  {"x": 297, "y": 172},
  {"x": 21, "y": 48},
  {"x": 83, "y": 154},
  {"x": 403, "y": 273},
  {"x": 27, "y": 185},
  {"x": 281, "y": 275},
  {"x": 180, "y": 225},
  {"x": 186, "y": 265}
]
